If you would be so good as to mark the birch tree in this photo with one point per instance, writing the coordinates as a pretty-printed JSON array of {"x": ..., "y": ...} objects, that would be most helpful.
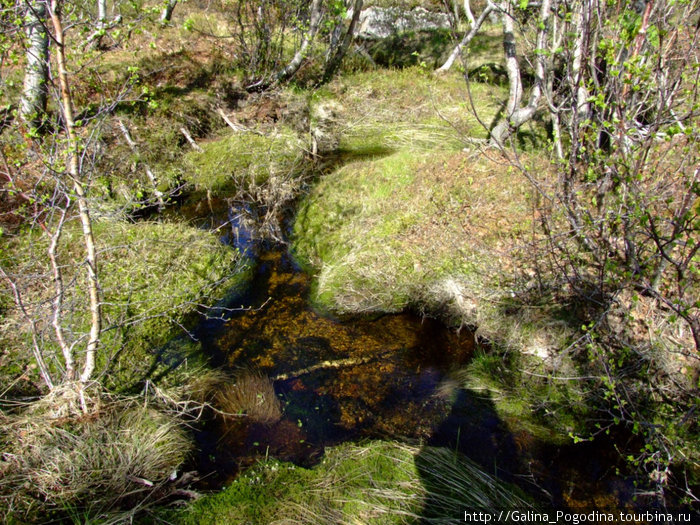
[
  {"x": 36, "y": 72},
  {"x": 620, "y": 217},
  {"x": 337, "y": 51},
  {"x": 475, "y": 27},
  {"x": 75, "y": 177},
  {"x": 515, "y": 113},
  {"x": 61, "y": 153},
  {"x": 167, "y": 13}
]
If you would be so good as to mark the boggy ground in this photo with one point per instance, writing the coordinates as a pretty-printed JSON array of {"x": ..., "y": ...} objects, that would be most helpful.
[{"x": 407, "y": 213}]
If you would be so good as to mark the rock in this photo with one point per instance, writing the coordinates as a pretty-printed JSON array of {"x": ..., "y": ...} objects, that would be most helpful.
[{"x": 378, "y": 22}]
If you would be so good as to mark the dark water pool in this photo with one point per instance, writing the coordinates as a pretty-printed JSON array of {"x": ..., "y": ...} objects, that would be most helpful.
[{"x": 385, "y": 377}]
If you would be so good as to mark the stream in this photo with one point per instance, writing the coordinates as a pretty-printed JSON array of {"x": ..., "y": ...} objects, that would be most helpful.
[{"x": 385, "y": 377}]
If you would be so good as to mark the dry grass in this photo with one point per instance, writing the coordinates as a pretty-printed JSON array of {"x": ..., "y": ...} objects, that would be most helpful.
[
  {"x": 251, "y": 394},
  {"x": 58, "y": 458}
]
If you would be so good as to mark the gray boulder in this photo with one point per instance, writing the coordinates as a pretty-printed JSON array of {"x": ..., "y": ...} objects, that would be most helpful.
[{"x": 382, "y": 22}]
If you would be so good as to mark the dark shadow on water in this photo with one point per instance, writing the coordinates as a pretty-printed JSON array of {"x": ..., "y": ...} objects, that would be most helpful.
[
  {"x": 376, "y": 377},
  {"x": 546, "y": 475},
  {"x": 474, "y": 428}
]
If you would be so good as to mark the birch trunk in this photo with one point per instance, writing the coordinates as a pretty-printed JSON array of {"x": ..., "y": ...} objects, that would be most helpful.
[
  {"x": 337, "y": 58},
  {"x": 102, "y": 12},
  {"x": 516, "y": 115},
  {"x": 83, "y": 207},
  {"x": 579, "y": 21},
  {"x": 33, "y": 103},
  {"x": 468, "y": 12},
  {"x": 167, "y": 13},
  {"x": 475, "y": 26},
  {"x": 295, "y": 64}
]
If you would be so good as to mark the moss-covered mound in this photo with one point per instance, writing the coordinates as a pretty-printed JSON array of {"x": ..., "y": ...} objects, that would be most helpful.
[
  {"x": 383, "y": 110},
  {"x": 375, "y": 482},
  {"x": 153, "y": 277},
  {"x": 439, "y": 231},
  {"x": 243, "y": 160}
]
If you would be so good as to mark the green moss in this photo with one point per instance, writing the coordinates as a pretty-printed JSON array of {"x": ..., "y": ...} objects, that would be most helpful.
[
  {"x": 242, "y": 160},
  {"x": 379, "y": 233},
  {"x": 525, "y": 396},
  {"x": 335, "y": 489},
  {"x": 407, "y": 108},
  {"x": 373, "y": 482},
  {"x": 153, "y": 278}
]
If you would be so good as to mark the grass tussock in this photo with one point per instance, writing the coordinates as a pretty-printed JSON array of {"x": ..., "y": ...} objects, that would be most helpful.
[
  {"x": 243, "y": 160},
  {"x": 57, "y": 458},
  {"x": 374, "y": 482},
  {"x": 407, "y": 108},
  {"x": 249, "y": 394}
]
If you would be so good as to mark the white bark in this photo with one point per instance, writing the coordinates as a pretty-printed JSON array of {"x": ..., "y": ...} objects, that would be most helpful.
[
  {"x": 468, "y": 12},
  {"x": 167, "y": 13},
  {"x": 300, "y": 55},
  {"x": 33, "y": 103},
  {"x": 475, "y": 26},
  {"x": 83, "y": 207},
  {"x": 579, "y": 21},
  {"x": 190, "y": 140},
  {"x": 342, "y": 47},
  {"x": 101, "y": 12},
  {"x": 57, "y": 318},
  {"x": 516, "y": 115}
]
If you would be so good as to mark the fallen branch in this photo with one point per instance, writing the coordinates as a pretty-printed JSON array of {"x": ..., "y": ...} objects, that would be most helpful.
[
  {"x": 149, "y": 173},
  {"x": 234, "y": 125},
  {"x": 189, "y": 138},
  {"x": 338, "y": 363}
]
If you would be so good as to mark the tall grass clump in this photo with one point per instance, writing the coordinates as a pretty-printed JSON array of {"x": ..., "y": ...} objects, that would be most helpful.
[
  {"x": 453, "y": 483},
  {"x": 58, "y": 460},
  {"x": 244, "y": 160},
  {"x": 249, "y": 394}
]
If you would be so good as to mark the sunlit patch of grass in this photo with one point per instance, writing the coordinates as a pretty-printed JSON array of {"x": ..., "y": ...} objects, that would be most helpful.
[
  {"x": 242, "y": 160},
  {"x": 90, "y": 463},
  {"x": 408, "y": 108},
  {"x": 442, "y": 232},
  {"x": 374, "y": 482}
]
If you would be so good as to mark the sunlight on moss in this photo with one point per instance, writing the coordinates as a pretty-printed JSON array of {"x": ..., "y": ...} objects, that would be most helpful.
[
  {"x": 378, "y": 482},
  {"x": 243, "y": 159}
]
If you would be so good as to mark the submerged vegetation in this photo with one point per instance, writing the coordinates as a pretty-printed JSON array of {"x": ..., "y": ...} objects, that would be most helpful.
[{"x": 543, "y": 193}]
